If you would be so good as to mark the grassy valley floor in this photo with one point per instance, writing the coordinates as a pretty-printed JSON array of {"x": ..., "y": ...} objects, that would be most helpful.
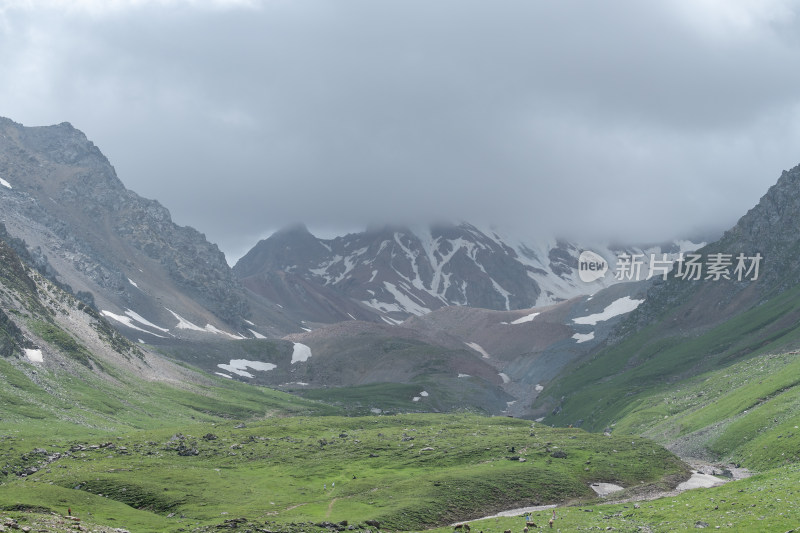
[
  {"x": 409, "y": 472},
  {"x": 766, "y": 502}
]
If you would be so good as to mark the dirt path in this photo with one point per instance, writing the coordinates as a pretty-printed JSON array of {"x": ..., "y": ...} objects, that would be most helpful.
[
  {"x": 294, "y": 507},
  {"x": 330, "y": 508}
]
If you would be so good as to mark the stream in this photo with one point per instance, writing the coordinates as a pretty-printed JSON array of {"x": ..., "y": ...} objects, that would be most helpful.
[{"x": 704, "y": 475}]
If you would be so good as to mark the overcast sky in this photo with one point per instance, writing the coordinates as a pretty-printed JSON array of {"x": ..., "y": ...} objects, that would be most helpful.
[{"x": 614, "y": 120}]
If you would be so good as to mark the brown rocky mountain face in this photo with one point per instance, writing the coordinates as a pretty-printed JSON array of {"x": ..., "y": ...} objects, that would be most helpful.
[{"x": 506, "y": 355}]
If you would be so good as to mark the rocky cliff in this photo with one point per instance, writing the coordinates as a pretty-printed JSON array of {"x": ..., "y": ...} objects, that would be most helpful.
[{"x": 61, "y": 196}]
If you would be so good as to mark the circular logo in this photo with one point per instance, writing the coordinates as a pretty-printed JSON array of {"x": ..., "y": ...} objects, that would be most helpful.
[{"x": 591, "y": 266}]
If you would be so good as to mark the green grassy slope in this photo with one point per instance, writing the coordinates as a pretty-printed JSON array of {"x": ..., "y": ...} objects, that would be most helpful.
[
  {"x": 408, "y": 472},
  {"x": 599, "y": 391},
  {"x": 747, "y": 413},
  {"x": 766, "y": 502},
  {"x": 88, "y": 401}
]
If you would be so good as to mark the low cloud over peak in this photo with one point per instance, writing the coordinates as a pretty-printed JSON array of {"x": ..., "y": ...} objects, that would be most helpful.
[{"x": 623, "y": 120}]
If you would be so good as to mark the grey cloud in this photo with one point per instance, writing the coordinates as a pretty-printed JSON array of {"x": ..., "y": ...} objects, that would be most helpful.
[{"x": 616, "y": 120}]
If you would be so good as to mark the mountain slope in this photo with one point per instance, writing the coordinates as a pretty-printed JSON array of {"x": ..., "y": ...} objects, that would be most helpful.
[
  {"x": 393, "y": 273},
  {"x": 461, "y": 357},
  {"x": 115, "y": 436},
  {"x": 62, "y": 363},
  {"x": 691, "y": 326},
  {"x": 62, "y": 197},
  {"x": 746, "y": 413}
]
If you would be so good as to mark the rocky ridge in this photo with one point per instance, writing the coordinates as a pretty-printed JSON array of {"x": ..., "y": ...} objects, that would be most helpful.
[
  {"x": 62, "y": 198},
  {"x": 393, "y": 273}
]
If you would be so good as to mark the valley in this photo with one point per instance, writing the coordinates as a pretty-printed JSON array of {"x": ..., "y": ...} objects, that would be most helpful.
[
  {"x": 406, "y": 472},
  {"x": 397, "y": 379}
]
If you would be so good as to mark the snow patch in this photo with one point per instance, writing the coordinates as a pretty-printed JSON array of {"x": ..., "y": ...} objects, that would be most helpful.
[
  {"x": 301, "y": 353},
  {"x": 604, "y": 489},
  {"x": 183, "y": 323},
  {"x": 415, "y": 399},
  {"x": 526, "y": 318},
  {"x": 518, "y": 512},
  {"x": 239, "y": 367},
  {"x": 615, "y": 308},
  {"x": 504, "y": 377},
  {"x": 391, "y": 321},
  {"x": 256, "y": 334},
  {"x": 223, "y": 375},
  {"x": 406, "y": 303},
  {"x": 5, "y": 184},
  {"x": 477, "y": 347},
  {"x": 424, "y": 394},
  {"x": 538, "y": 388},
  {"x": 699, "y": 480},
  {"x": 133, "y": 283},
  {"x": 35, "y": 356},
  {"x": 129, "y": 321},
  {"x": 139, "y": 318},
  {"x": 464, "y": 375},
  {"x": 216, "y": 331},
  {"x": 383, "y": 307},
  {"x": 504, "y": 293},
  {"x": 583, "y": 337},
  {"x": 689, "y": 246},
  {"x": 412, "y": 259}
]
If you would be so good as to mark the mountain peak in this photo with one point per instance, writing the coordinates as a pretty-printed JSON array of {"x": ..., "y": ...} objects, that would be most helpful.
[
  {"x": 102, "y": 238},
  {"x": 288, "y": 246},
  {"x": 391, "y": 272},
  {"x": 293, "y": 229}
]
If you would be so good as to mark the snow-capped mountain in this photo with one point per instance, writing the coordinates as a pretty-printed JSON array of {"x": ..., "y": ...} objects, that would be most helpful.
[
  {"x": 486, "y": 317},
  {"x": 395, "y": 272},
  {"x": 159, "y": 281}
]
